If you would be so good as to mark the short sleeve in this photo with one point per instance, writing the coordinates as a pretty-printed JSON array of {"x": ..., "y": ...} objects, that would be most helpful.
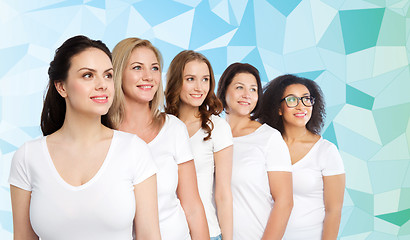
[
  {"x": 277, "y": 154},
  {"x": 19, "y": 175},
  {"x": 183, "y": 152},
  {"x": 331, "y": 161},
  {"x": 145, "y": 166},
  {"x": 221, "y": 134}
]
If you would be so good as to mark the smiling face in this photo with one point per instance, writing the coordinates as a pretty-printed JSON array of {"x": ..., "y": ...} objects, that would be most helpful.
[
  {"x": 89, "y": 87},
  {"x": 195, "y": 85},
  {"x": 141, "y": 75},
  {"x": 297, "y": 116},
  {"x": 242, "y": 94}
]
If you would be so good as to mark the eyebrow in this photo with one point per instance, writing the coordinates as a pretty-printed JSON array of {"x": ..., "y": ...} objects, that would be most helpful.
[
  {"x": 140, "y": 63},
  {"x": 92, "y": 70},
  {"x": 253, "y": 85},
  {"x": 186, "y": 75}
]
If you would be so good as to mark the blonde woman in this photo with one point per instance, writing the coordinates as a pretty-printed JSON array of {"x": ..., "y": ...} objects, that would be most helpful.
[
  {"x": 137, "y": 109},
  {"x": 190, "y": 96}
]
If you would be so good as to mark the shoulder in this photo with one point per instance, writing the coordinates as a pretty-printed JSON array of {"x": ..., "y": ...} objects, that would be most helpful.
[
  {"x": 270, "y": 132},
  {"x": 327, "y": 147},
  {"x": 173, "y": 122},
  {"x": 127, "y": 139},
  {"x": 219, "y": 123}
]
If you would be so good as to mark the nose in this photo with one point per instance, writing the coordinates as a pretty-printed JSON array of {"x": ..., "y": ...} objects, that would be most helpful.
[
  {"x": 197, "y": 85},
  {"x": 147, "y": 75},
  {"x": 299, "y": 104},
  {"x": 246, "y": 94},
  {"x": 101, "y": 83}
]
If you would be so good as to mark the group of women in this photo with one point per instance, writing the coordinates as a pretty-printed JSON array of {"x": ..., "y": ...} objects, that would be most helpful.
[{"x": 114, "y": 163}]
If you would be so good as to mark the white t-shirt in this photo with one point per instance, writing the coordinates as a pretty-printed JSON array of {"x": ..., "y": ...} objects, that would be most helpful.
[
  {"x": 308, "y": 213},
  {"x": 103, "y": 208},
  {"x": 221, "y": 137},
  {"x": 170, "y": 148},
  {"x": 254, "y": 155}
]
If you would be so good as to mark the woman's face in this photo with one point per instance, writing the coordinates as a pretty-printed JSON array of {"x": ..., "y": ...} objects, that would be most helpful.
[
  {"x": 299, "y": 115},
  {"x": 89, "y": 87},
  {"x": 141, "y": 76},
  {"x": 242, "y": 94},
  {"x": 195, "y": 83}
]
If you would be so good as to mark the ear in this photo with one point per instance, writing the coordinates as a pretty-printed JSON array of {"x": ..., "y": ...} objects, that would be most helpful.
[
  {"x": 280, "y": 111},
  {"x": 60, "y": 87}
]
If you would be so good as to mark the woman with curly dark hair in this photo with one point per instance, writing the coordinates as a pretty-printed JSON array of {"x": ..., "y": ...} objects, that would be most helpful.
[
  {"x": 295, "y": 106},
  {"x": 190, "y": 96},
  {"x": 261, "y": 177}
]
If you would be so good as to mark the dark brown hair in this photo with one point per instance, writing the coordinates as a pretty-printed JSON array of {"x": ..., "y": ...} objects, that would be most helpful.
[
  {"x": 211, "y": 104},
  {"x": 226, "y": 79},
  {"x": 273, "y": 94},
  {"x": 54, "y": 106}
]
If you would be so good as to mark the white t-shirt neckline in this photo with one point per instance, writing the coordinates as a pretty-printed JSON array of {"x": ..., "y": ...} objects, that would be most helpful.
[
  {"x": 250, "y": 134},
  {"x": 310, "y": 151},
  {"x": 153, "y": 141},
  {"x": 65, "y": 184}
]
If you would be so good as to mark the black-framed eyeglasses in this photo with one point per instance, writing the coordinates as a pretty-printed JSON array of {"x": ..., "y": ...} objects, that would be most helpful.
[{"x": 292, "y": 101}]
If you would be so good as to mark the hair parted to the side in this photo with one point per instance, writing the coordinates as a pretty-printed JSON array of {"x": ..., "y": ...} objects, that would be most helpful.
[
  {"x": 273, "y": 94},
  {"x": 54, "y": 106},
  {"x": 211, "y": 104},
  {"x": 121, "y": 55},
  {"x": 226, "y": 79}
]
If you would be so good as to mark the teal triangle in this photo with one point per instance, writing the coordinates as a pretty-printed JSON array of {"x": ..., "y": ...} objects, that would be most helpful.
[
  {"x": 152, "y": 14},
  {"x": 255, "y": 60},
  {"x": 360, "y": 28},
  {"x": 404, "y": 202},
  {"x": 362, "y": 200},
  {"x": 97, "y": 4},
  {"x": 332, "y": 39},
  {"x": 10, "y": 56},
  {"x": 207, "y": 26},
  {"x": 217, "y": 57},
  {"x": 6, "y": 147},
  {"x": 285, "y": 7},
  {"x": 245, "y": 36},
  {"x": 330, "y": 134},
  {"x": 359, "y": 222},
  {"x": 396, "y": 218},
  {"x": 310, "y": 75},
  {"x": 392, "y": 121},
  {"x": 358, "y": 98}
]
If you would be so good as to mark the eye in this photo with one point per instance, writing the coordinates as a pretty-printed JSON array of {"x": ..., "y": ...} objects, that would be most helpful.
[
  {"x": 291, "y": 99},
  {"x": 108, "y": 75},
  {"x": 253, "y": 89},
  {"x": 155, "y": 68},
  {"x": 205, "y": 79},
  {"x": 239, "y": 87},
  {"x": 87, "y": 75},
  {"x": 137, "y": 67},
  {"x": 190, "y": 79}
]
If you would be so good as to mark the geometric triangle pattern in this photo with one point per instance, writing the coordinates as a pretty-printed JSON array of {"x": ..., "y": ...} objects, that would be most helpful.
[{"x": 358, "y": 51}]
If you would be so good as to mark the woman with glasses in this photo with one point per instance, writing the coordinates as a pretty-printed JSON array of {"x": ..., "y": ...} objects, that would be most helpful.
[
  {"x": 261, "y": 170},
  {"x": 295, "y": 106}
]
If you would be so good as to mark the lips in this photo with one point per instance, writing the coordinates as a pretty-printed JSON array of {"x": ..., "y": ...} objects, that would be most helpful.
[
  {"x": 244, "y": 103},
  {"x": 300, "y": 115},
  {"x": 145, "y": 87},
  {"x": 100, "y": 99},
  {"x": 196, "y": 95}
]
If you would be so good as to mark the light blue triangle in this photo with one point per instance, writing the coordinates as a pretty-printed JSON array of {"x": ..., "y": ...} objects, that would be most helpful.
[
  {"x": 11, "y": 56},
  {"x": 394, "y": 150},
  {"x": 238, "y": 53},
  {"x": 387, "y": 175},
  {"x": 332, "y": 39}
]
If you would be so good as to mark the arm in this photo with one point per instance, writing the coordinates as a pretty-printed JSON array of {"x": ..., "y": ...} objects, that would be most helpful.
[
  {"x": 333, "y": 191},
  {"x": 223, "y": 193},
  {"x": 146, "y": 211},
  {"x": 20, "y": 202},
  {"x": 188, "y": 195},
  {"x": 281, "y": 189}
]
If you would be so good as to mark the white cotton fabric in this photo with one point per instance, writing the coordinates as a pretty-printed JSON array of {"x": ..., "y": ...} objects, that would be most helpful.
[
  {"x": 103, "y": 208},
  {"x": 308, "y": 211},
  {"x": 221, "y": 137},
  {"x": 254, "y": 156},
  {"x": 170, "y": 148}
]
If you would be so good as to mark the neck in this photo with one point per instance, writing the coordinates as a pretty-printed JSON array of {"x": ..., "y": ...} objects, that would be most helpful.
[
  {"x": 81, "y": 128},
  {"x": 188, "y": 113},
  {"x": 136, "y": 116},
  {"x": 238, "y": 121},
  {"x": 292, "y": 134}
]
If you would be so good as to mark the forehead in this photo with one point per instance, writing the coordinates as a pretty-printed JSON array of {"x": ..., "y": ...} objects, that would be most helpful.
[
  {"x": 142, "y": 54},
  {"x": 196, "y": 65},
  {"x": 244, "y": 78},
  {"x": 91, "y": 58},
  {"x": 296, "y": 89}
]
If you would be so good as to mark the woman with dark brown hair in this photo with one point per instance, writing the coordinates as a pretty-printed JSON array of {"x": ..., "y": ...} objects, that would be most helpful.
[
  {"x": 82, "y": 180},
  {"x": 295, "y": 106},
  {"x": 261, "y": 169},
  {"x": 190, "y": 96}
]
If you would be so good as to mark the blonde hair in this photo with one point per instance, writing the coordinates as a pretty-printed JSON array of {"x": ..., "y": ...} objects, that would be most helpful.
[{"x": 120, "y": 57}]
